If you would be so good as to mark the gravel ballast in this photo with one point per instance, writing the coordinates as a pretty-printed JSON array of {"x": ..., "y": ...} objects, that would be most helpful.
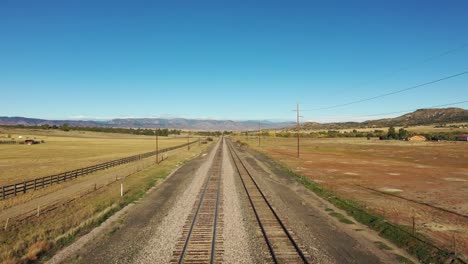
[
  {"x": 236, "y": 242},
  {"x": 160, "y": 247}
]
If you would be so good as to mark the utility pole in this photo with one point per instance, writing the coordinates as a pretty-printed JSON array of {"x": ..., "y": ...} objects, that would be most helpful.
[
  {"x": 298, "y": 128},
  {"x": 259, "y": 134},
  {"x": 157, "y": 147},
  {"x": 188, "y": 140}
]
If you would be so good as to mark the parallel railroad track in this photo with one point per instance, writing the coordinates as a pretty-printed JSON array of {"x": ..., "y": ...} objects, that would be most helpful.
[
  {"x": 202, "y": 240},
  {"x": 281, "y": 244}
]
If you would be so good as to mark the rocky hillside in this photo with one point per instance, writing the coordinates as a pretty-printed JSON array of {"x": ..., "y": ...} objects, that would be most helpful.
[{"x": 418, "y": 117}]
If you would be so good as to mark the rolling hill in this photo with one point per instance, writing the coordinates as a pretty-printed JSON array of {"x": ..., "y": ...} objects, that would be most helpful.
[
  {"x": 418, "y": 117},
  {"x": 174, "y": 123}
]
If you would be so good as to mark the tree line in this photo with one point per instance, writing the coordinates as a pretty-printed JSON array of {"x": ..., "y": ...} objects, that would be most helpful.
[
  {"x": 134, "y": 131},
  {"x": 212, "y": 133},
  {"x": 390, "y": 134}
]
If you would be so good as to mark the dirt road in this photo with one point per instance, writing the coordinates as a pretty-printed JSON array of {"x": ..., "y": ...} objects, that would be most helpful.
[{"x": 154, "y": 229}]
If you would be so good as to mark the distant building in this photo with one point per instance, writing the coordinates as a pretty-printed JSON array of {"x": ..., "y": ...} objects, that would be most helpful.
[
  {"x": 463, "y": 137},
  {"x": 417, "y": 138},
  {"x": 31, "y": 142}
]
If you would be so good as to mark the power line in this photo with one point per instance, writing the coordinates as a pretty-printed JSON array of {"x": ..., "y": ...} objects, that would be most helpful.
[
  {"x": 434, "y": 106},
  {"x": 408, "y": 110},
  {"x": 390, "y": 93},
  {"x": 423, "y": 61}
]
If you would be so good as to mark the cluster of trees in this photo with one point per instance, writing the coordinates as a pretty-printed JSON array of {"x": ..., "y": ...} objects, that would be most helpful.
[
  {"x": 212, "y": 133},
  {"x": 137, "y": 131},
  {"x": 390, "y": 134},
  {"x": 451, "y": 136},
  {"x": 402, "y": 134},
  {"x": 334, "y": 134},
  {"x": 451, "y": 126},
  {"x": 255, "y": 134}
]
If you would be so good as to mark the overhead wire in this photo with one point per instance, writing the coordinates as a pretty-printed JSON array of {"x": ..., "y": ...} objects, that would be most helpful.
[
  {"x": 389, "y": 93},
  {"x": 445, "y": 53},
  {"x": 401, "y": 111}
]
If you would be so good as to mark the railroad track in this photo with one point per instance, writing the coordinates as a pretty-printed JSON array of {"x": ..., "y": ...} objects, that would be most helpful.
[
  {"x": 281, "y": 244},
  {"x": 202, "y": 239}
]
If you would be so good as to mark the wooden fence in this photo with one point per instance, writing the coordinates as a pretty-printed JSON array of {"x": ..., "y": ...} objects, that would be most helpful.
[
  {"x": 7, "y": 142},
  {"x": 15, "y": 189}
]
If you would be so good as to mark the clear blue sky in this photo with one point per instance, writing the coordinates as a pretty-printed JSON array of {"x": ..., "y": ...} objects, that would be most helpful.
[{"x": 227, "y": 59}]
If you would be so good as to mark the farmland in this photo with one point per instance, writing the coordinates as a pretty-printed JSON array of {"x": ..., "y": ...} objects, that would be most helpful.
[
  {"x": 63, "y": 151},
  {"x": 49, "y": 218},
  {"x": 380, "y": 175}
]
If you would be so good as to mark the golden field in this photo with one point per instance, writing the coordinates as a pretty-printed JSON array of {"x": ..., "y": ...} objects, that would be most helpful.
[
  {"x": 85, "y": 202},
  {"x": 64, "y": 151}
]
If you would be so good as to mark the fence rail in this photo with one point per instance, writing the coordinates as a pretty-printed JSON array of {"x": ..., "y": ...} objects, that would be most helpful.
[
  {"x": 15, "y": 189},
  {"x": 7, "y": 142}
]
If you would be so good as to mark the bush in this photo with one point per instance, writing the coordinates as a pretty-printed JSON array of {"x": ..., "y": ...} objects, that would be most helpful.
[{"x": 35, "y": 251}]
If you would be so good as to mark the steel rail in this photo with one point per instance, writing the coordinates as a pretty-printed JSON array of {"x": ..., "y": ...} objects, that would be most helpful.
[
  {"x": 195, "y": 217},
  {"x": 291, "y": 239}
]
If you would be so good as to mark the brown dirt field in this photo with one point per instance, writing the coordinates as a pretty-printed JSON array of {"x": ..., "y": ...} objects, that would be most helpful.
[{"x": 431, "y": 172}]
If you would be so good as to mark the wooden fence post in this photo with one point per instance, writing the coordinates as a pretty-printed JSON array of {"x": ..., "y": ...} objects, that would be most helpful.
[
  {"x": 121, "y": 189},
  {"x": 6, "y": 223}
]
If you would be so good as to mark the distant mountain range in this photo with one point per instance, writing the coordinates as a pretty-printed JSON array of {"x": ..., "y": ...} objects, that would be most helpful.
[
  {"x": 418, "y": 117},
  {"x": 174, "y": 123}
]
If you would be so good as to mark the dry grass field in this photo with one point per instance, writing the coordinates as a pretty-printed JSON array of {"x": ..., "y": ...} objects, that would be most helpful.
[
  {"x": 435, "y": 173},
  {"x": 73, "y": 208},
  {"x": 64, "y": 151}
]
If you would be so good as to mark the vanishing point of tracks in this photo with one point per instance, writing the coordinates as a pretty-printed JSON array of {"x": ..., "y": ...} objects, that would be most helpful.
[
  {"x": 201, "y": 240},
  {"x": 282, "y": 246}
]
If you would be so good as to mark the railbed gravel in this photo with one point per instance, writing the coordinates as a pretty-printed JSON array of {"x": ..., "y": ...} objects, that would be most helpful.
[
  {"x": 236, "y": 242},
  {"x": 160, "y": 247}
]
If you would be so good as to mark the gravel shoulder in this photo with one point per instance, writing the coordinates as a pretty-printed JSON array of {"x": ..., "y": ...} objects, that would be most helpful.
[
  {"x": 239, "y": 242},
  {"x": 327, "y": 240},
  {"x": 147, "y": 232}
]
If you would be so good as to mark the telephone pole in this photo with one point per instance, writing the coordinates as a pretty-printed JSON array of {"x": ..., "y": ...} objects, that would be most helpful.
[
  {"x": 188, "y": 140},
  {"x": 157, "y": 147},
  {"x": 298, "y": 128},
  {"x": 259, "y": 134}
]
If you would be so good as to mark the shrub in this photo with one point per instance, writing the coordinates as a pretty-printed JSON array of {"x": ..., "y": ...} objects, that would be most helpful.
[{"x": 36, "y": 249}]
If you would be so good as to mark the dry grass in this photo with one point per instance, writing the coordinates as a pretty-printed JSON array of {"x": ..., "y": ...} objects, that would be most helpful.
[
  {"x": 36, "y": 249},
  {"x": 65, "y": 151},
  {"x": 59, "y": 227},
  {"x": 432, "y": 172}
]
